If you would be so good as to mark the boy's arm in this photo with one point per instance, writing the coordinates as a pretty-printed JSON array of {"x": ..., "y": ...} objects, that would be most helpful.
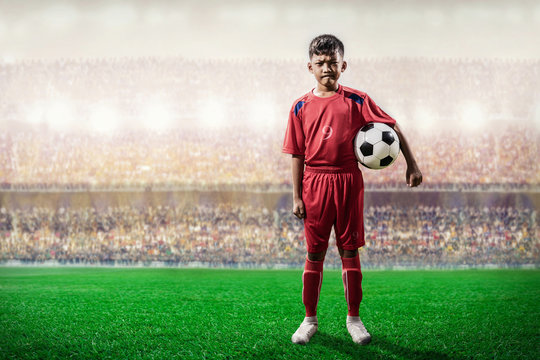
[
  {"x": 298, "y": 175},
  {"x": 413, "y": 175}
]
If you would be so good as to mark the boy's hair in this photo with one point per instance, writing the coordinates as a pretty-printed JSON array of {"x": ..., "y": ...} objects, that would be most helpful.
[{"x": 326, "y": 44}]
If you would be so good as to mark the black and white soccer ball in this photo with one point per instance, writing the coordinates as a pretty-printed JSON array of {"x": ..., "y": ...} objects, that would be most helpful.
[{"x": 376, "y": 146}]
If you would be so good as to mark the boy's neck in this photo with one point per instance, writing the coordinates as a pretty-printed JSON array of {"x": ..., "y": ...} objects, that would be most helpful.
[{"x": 323, "y": 91}]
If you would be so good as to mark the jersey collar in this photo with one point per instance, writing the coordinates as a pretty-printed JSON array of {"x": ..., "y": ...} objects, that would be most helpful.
[{"x": 339, "y": 91}]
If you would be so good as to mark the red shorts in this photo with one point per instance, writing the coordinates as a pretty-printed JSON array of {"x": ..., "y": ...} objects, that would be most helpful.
[{"x": 333, "y": 198}]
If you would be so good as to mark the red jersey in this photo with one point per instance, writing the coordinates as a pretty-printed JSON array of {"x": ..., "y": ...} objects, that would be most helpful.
[{"x": 323, "y": 129}]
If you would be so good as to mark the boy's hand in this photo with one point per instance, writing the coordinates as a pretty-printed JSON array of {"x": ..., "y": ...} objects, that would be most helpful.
[
  {"x": 413, "y": 176},
  {"x": 298, "y": 208}
]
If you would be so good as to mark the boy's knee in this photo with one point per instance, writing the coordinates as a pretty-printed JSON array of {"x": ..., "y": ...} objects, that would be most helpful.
[
  {"x": 348, "y": 253},
  {"x": 319, "y": 256}
]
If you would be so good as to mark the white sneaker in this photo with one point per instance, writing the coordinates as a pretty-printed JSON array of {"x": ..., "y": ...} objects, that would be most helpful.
[
  {"x": 305, "y": 331},
  {"x": 357, "y": 330}
]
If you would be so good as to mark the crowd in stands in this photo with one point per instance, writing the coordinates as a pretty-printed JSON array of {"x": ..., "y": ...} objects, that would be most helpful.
[
  {"x": 229, "y": 234},
  {"x": 178, "y": 124},
  {"x": 247, "y": 160},
  {"x": 225, "y": 130}
]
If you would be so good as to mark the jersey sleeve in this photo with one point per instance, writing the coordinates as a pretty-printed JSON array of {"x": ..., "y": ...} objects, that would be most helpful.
[
  {"x": 295, "y": 141},
  {"x": 373, "y": 113}
]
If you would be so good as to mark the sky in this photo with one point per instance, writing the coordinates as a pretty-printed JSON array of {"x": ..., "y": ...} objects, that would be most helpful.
[{"x": 51, "y": 29}]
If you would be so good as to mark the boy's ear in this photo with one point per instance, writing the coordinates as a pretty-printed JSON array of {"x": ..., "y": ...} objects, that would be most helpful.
[
  {"x": 310, "y": 67},
  {"x": 344, "y": 66}
]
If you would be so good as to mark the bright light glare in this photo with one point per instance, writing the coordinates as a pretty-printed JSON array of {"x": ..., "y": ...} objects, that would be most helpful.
[
  {"x": 262, "y": 113},
  {"x": 212, "y": 114},
  {"x": 103, "y": 118},
  {"x": 157, "y": 115},
  {"x": 473, "y": 116},
  {"x": 424, "y": 118},
  {"x": 59, "y": 114},
  {"x": 34, "y": 113}
]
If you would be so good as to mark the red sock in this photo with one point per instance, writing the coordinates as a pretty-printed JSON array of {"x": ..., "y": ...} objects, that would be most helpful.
[
  {"x": 311, "y": 280},
  {"x": 352, "y": 282}
]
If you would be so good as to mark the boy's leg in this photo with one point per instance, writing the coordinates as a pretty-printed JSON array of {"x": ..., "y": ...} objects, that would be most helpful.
[
  {"x": 318, "y": 222},
  {"x": 311, "y": 288},
  {"x": 311, "y": 285},
  {"x": 350, "y": 236},
  {"x": 352, "y": 282}
]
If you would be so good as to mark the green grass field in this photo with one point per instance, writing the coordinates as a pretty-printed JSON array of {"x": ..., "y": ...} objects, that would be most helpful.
[{"x": 238, "y": 314}]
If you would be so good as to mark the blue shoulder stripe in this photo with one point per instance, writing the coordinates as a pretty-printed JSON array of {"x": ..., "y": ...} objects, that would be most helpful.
[
  {"x": 356, "y": 98},
  {"x": 298, "y": 107}
]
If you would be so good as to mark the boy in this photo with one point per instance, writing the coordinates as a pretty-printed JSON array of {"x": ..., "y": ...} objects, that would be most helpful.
[{"x": 321, "y": 128}]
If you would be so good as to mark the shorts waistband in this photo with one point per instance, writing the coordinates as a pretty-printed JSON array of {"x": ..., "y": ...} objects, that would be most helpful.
[{"x": 332, "y": 170}]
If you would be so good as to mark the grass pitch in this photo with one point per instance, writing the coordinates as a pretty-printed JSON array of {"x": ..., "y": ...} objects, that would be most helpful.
[{"x": 239, "y": 314}]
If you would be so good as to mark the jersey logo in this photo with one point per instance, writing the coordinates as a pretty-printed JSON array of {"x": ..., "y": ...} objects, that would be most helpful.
[{"x": 327, "y": 132}]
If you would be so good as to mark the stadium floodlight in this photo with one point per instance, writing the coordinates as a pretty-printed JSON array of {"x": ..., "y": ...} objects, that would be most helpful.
[
  {"x": 35, "y": 113},
  {"x": 157, "y": 115},
  {"x": 212, "y": 114},
  {"x": 473, "y": 117},
  {"x": 103, "y": 118},
  {"x": 59, "y": 114},
  {"x": 424, "y": 118},
  {"x": 262, "y": 113}
]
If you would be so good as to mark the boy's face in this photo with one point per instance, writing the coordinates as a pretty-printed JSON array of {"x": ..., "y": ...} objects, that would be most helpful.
[{"x": 327, "y": 69}]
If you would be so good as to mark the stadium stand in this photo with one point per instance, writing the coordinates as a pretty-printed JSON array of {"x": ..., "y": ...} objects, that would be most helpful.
[
  {"x": 223, "y": 132},
  {"x": 180, "y": 160},
  {"x": 171, "y": 124},
  {"x": 233, "y": 235}
]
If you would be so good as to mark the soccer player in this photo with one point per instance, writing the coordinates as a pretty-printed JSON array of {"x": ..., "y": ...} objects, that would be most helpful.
[{"x": 330, "y": 191}]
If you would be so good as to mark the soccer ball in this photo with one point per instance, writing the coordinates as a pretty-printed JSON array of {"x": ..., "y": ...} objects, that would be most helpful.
[{"x": 376, "y": 146}]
